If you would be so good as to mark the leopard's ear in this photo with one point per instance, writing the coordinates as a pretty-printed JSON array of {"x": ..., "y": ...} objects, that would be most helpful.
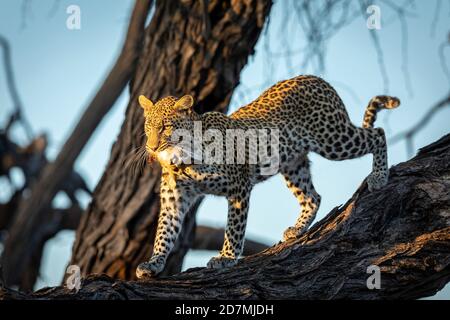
[
  {"x": 184, "y": 103},
  {"x": 145, "y": 103}
]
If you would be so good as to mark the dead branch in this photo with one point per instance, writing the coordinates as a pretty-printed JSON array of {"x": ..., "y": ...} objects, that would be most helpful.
[
  {"x": 12, "y": 87},
  {"x": 208, "y": 238},
  {"x": 409, "y": 134}
]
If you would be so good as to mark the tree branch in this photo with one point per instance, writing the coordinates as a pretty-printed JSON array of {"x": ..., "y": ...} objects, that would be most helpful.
[
  {"x": 409, "y": 134},
  {"x": 55, "y": 220},
  {"x": 208, "y": 238},
  {"x": 404, "y": 229},
  {"x": 12, "y": 87}
]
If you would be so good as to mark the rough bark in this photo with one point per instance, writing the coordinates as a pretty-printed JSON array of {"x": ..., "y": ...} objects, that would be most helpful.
[
  {"x": 24, "y": 234},
  {"x": 404, "y": 229},
  {"x": 190, "y": 47}
]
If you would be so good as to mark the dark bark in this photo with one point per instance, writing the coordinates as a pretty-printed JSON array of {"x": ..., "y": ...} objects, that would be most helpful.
[
  {"x": 24, "y": 232},
  {"x": 188, "y": 49},
  {"x": 404, "y": 229},
  {"x": 6, "y": 210}
]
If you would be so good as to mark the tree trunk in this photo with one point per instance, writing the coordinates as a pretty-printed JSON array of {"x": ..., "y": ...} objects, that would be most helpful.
[
  {"x": 190, "y": 47},
  {"x": 403, "y": 229}
]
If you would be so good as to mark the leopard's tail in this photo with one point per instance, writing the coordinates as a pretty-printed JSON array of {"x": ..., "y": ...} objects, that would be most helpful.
[{"x": 376, "y": 104}]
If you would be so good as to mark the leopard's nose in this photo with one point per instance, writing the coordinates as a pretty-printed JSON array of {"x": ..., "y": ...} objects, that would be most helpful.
[
  {"x": 152, "y": 146},
  {"x": 152, "y": 141}
]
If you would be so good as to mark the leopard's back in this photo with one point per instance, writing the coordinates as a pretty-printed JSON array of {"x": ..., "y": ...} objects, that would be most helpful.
[{"x": 304, "y": 98}]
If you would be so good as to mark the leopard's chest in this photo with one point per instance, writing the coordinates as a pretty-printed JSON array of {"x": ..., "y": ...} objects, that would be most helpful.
[{"x": 215, "y": 180}]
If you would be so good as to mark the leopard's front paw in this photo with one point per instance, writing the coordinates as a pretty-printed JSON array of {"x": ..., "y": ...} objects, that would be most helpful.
[
  {"x": 150, "y": 268},
  {"x": 293, "y": 233},
  {"x": 220, "y": 262},
  {"x": 376, "y": 180}
]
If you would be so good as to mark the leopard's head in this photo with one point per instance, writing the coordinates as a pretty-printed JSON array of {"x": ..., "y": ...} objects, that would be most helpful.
[{"x": 163, "y": 118}]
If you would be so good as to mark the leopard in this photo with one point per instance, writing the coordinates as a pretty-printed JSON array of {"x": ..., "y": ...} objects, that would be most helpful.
[{"x": 309, "y": 116}]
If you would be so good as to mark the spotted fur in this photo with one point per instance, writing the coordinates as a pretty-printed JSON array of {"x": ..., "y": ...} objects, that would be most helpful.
[{"x": 311, "y": 117}]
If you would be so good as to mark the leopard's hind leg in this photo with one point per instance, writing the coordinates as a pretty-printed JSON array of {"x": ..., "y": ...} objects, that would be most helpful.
[
  {"x": 298, "y": 179},
  {"x": 378, "y": 178},
  {"x": 354, "y": 142}
]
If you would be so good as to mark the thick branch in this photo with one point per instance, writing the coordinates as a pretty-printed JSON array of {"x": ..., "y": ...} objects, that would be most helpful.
[
  {"x": 55, "y": 220},
  {"x": 208, "y": 238},
  {"x": 58, "y": 219},
  {"x": 404, "y": 229},
  {"x": 16, "y": 254}
]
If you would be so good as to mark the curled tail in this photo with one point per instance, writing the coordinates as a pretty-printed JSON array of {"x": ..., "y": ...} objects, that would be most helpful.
[{"x": 376, "y": 104}]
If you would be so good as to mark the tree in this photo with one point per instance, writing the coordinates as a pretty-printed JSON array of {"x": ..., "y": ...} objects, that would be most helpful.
[
  {"x": 190, "y": 47},
  {"x": 402, "y": 231}
]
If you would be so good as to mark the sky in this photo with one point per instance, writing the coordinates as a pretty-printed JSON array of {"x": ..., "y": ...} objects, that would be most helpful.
[{"x": 58, "y": 71}]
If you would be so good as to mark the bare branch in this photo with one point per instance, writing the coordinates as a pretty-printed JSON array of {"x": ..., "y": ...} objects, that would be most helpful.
[
  {"x": 54, "y": 8},
  {"x": 409, "y": 134},
  {"x": 12, "y": 87},
  {"x": 435, "y": 20},
  {"x": 26, "y": 12},
  {"x": 444, "y": 45},
  {"x": 405, "y": 56},
  {"x": 208, "y": 238}
]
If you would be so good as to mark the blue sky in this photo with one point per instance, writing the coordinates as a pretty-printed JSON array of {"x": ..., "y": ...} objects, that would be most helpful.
[{"x": 58, "y": 70}]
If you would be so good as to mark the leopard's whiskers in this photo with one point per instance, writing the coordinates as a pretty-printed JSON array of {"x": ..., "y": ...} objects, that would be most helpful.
[{"x": 136, "y": 160}]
